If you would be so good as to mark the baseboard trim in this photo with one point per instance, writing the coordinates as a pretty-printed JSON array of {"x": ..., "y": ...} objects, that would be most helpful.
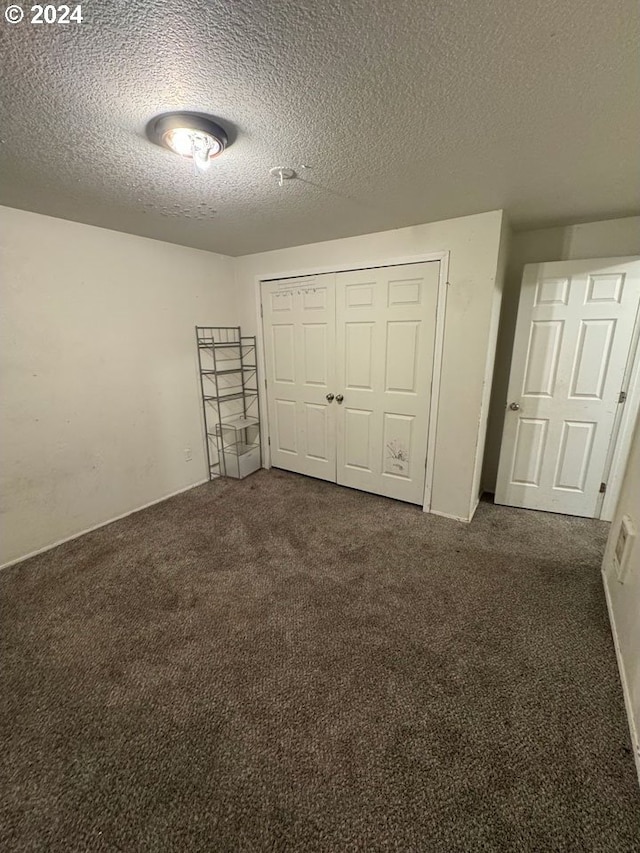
[
  {"x": 475, "y": 506},
  {"x": 101, "y": 524},
  {"x": 635, "y": 740},
  {"x": 448, "y": 515}
]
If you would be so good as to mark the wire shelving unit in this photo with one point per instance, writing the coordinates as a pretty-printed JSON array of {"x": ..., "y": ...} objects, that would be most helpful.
[{"x": 230, "y": 403}]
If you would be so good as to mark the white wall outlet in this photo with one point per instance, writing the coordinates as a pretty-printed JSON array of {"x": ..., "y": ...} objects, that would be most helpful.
[
  {"x": 188, "y": 456},
  {"x": 624, "y": 546}
]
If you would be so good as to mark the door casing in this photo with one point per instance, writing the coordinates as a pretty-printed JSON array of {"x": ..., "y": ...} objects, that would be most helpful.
[
  {"x": 443, "y": 259},
  {"x": 622, "y": 433}
]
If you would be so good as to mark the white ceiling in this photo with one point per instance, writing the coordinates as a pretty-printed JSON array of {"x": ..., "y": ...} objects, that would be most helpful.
[{"x": 408, "y": 111}]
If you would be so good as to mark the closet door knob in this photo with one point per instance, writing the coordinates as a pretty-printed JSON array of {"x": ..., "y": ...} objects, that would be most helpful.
[
  {"x": 514, "y": 407},
  {"x": 329, "y": 397},
  {"x": 339, "y": 398}
]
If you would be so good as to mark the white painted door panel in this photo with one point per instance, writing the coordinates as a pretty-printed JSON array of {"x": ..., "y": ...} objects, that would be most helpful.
[
  {"x": 385, "y": 336},
  {"x": 572, "y": 343},
  {"x": 299, "y": 335}
]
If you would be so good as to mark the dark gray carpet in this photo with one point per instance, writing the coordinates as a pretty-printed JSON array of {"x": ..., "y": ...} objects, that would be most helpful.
[{"x": 282, "y": 664}]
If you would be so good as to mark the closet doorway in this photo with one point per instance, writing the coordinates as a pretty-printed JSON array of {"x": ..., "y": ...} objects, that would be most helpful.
[{"x": 349, "y": 366}]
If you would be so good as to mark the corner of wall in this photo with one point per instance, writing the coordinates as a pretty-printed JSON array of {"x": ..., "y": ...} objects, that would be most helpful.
[{"x": 502, "y": 255}]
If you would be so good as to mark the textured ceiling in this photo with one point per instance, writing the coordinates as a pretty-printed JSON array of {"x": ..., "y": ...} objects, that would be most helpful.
[{"x": 407, "y": 111}]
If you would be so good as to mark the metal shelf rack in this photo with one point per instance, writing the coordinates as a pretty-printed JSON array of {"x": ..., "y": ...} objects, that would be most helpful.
[{"x": 230, "y": 404}]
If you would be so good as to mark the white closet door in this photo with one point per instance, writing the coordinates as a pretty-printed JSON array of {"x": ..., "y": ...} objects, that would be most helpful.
[
  {"x": 385, "y": 336},
  {"x": 299, "y": 336},
  {"x": 572, "y": 342}
]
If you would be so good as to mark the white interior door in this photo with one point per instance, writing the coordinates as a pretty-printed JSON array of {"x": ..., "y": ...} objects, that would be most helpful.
[
  {"x": 349, "y": 362},
  {"x": 299, "y": 337},
  {"x": 385, "y": 335},
  {"x": 573, "y": 337}
]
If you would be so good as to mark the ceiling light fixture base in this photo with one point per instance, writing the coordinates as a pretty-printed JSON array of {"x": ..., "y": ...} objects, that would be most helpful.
[{"x": 283, "y": 173}]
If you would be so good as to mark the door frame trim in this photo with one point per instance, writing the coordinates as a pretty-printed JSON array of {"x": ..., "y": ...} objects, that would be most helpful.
[
  {"x": 441, "y": 303},
  {"x": 622, "y": 431}
]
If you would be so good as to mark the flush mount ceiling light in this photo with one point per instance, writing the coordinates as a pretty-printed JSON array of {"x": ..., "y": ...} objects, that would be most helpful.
[{"x": 192, "y": 135}]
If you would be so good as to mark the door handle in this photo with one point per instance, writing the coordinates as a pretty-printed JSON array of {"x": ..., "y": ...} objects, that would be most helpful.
[
  {"x": 515, "y": 407},
  {"x": 330, "y": 397},
  {"x": 339, "y": 398}
]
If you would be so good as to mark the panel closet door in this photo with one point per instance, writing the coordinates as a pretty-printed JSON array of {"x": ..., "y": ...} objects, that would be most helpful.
[
  {"x": 385, "y": 339},
  {"x": 349, "y": 363},
  {"x": 299, "y": 336}
]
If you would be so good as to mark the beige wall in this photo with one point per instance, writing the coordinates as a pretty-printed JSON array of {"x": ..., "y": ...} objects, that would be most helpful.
[
  {"x": 606, "y": 239},
  {"x": 624, "y": 598},
  {"x": 473, "y": 298},
  {"x": 99, "y": 379}
]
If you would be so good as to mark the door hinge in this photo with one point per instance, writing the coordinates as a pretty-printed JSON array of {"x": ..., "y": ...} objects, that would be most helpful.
[
  {"x": 269, "y": 440},
  {"x": 261, "y": 313},
  {"x": 623, "y": 397},
  {"x": 603, "y": 488}
]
